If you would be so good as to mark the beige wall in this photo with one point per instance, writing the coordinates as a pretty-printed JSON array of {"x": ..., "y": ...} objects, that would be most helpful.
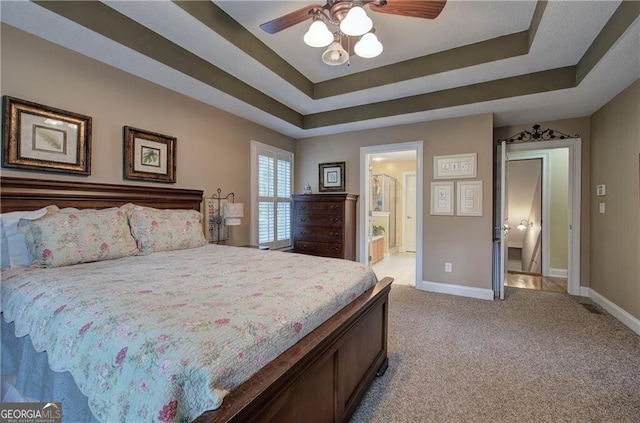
[
  {"x": 531, "y": 251},
  {"x": 559, "y": 208},
  {"x": 580, "y": 127},
  {"x": 213, "y": 147},
  {"x": 466, "y": 242},
  {"x": 615, "y": 235}
]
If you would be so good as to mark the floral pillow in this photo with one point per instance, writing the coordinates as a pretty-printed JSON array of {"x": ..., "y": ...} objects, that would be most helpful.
[
  {"x": 71, "y": 237},
  {"x": 162, "y": 230}
]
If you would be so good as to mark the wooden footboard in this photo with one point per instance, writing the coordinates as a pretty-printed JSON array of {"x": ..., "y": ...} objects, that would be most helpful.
[{"x": 324, "y": 376}]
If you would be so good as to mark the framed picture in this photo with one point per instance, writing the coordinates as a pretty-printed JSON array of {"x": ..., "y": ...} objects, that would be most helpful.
[
  {"x": 37, "y": 137},
  {"x": 442, "y": 198},
  {"x": 214, "y": 222},
  {"x": 149, "y": 156},
  {"x": 332, "y": 177},
  {"x": 469, "y": 198},
  {"x": 455, "y": 166}
]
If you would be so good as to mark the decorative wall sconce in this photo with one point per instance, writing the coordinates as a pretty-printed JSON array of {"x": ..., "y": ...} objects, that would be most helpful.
[
  {"x": 222, "y": 212},
  {"x": 524, "y": 223}
]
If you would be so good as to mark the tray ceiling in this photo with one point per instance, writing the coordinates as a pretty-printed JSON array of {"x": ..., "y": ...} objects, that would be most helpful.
[{"x": 524, "y": 61}]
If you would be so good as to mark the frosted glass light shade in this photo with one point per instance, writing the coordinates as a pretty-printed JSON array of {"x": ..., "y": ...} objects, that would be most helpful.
[
  {"x": 335, "y": 54},
  {"x": 368, "y": 47},
  {"x": 356, "y": 22},
  {"x": 318, "y": 35}
]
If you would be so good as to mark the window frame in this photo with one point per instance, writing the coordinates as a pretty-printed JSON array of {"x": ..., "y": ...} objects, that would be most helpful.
[{"x": 257, "y": 146}]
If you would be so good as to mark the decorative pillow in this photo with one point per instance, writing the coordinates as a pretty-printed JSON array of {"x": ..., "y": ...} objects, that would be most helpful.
[
  {"x": 162, "y": 230},
  {"x": 13, "y": 246},
  {"x": 72, "y": 237}
]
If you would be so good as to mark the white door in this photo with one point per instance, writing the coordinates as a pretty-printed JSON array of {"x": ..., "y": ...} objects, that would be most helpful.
[
  {"x": 504, "y": 214},
  {"x": 409, "y": 220},
  {"x": 369, "y": 211}
]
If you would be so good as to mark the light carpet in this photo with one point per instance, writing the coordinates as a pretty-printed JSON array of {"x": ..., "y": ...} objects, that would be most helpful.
[{"x": 535, "y": 357}]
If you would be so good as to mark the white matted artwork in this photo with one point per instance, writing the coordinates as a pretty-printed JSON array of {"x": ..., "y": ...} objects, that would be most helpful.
[
  {"x": 455, "y": 166},
  {"x": 442, "y": 198},
  {"x": 469, "y": 198}
]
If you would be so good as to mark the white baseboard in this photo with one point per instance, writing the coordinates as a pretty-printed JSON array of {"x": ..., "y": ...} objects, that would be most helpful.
[
  {"x": 558, "y": 273},
  {"x": 460, "y": 290},
  {"x": 616, "y": 311}
]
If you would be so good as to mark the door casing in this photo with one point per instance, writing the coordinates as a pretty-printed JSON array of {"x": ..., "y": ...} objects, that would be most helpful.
[
  {"x": 365, "y": 200},
  {"x": 575, "y": 197}
]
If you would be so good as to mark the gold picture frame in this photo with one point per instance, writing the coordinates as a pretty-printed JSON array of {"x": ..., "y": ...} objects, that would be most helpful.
[
  {"x": 149, "y": 156},
  {"x": 42, "y": 138}
]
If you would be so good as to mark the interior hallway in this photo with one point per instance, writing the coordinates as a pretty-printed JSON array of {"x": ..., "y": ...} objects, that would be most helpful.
[
  {"x": 400, "y": 266},
  {"x": 537, "y": 282}
]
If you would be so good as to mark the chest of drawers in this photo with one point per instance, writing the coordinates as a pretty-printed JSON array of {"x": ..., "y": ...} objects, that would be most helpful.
[{"x": 325, "y": 225}]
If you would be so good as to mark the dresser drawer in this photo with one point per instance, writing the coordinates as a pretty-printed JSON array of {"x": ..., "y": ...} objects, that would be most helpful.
[
  {"x": 324, "y": 249},
  {"x": 318, "y": 234},
  {"x": 324, "y": 220},
  {"x": 324, "y": 207}
]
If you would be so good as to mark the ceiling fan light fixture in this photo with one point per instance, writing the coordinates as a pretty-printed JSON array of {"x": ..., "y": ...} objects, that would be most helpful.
[
  {"x": 335, "y": 54},
  {"x": 356, "y": 22},
  {"x": 318, "y": 35},
  {"x": 369, "y": 46}
]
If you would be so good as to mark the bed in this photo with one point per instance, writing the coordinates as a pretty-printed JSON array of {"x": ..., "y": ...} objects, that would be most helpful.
[{"x": 321, "y": 377}]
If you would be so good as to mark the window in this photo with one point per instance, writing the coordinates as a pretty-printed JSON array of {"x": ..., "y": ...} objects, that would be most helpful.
[{"x": 272, "y": 184}]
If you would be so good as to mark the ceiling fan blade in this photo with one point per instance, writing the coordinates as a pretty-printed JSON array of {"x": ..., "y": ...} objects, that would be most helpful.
[
  {"x": 290, "y": 19},
  {"x": 415, "y": 9}
]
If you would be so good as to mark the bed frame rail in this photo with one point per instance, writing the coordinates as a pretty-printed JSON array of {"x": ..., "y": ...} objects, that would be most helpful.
[{"x": 324, "y": 376}]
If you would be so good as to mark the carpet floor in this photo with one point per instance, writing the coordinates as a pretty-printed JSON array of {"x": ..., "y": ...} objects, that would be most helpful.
[{"x": 535, "y": 357}]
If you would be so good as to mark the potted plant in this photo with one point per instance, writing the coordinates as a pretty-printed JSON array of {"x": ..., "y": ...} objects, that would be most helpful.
[{"x": 377, "y": 230}]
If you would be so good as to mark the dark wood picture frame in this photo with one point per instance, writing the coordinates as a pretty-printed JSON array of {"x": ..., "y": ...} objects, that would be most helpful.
[
  {"x": 149, "y": 156},
  {"x": 42, "y": 138},
  {"x": 331, "y": 177}
]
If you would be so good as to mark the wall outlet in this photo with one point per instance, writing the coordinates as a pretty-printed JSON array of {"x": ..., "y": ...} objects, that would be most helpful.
[
  {"x": 601, "y": 207},
  {"x": 447, "y": 267}
]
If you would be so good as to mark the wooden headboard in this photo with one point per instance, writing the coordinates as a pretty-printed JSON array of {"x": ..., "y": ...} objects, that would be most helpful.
[{"x": 30, "y": 194}]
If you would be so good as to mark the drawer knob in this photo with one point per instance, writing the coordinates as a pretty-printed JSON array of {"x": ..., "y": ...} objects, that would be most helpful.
[
  {"x": 302, "y": 247},
  {"x": 334, "y": 220},
  {"x": 304, "y": 219},
  {"x": 303, "y": 232},
  {"x": 334, "y": 207},
  {"x": 334, "y": 248},
  {"x": 303, "y": 207},
  {"x": 333, "y": 234}
]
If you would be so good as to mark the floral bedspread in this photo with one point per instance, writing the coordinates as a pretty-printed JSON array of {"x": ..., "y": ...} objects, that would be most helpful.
[{"x": 164, "y": 337}]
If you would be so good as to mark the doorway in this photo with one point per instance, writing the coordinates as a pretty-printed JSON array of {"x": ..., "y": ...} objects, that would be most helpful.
[
  {"x": 390, "y": 211},
  {"x": 560, "y": 226},
  {"x": 538, "y": 199}
]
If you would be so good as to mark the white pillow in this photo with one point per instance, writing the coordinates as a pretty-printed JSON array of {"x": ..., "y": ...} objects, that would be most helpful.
[{"x": 14, "y": 248}]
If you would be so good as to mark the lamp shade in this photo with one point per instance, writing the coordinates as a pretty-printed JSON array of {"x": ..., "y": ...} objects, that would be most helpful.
[
  {"x": 232, "y": 213},
  {"x": 335, "y": 54},
  {"x": 356, "y": 22},
  {"x": 318, "y": 35},
  {"x": 368, "y": 46}
]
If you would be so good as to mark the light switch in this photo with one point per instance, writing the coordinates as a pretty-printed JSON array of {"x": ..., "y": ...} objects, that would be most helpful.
[
  {"x": 601, "y": 190},
  {"x": 602, "y": 208}
]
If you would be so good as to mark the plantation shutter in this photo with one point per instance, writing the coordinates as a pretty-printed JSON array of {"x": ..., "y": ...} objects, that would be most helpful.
[{"x": 274, "y": 171}]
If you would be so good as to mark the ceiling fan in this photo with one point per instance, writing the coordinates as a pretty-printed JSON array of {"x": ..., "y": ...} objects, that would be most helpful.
[{"x": 352, "y": 21}]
